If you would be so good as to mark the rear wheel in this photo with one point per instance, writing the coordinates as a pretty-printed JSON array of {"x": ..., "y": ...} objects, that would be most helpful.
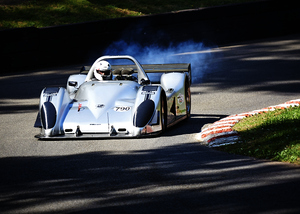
[{"x": 188, "y": 99}]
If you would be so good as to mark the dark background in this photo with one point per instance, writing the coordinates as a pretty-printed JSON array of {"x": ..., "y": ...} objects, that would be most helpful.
[{"x": 33, "y": 48}]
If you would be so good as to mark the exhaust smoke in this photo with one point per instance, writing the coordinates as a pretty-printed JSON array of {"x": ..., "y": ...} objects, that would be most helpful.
[{"x": 192, "y": 52}]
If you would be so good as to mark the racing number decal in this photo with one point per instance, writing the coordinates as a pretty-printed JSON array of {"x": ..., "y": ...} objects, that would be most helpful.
[{"x": 122, "y": 108}]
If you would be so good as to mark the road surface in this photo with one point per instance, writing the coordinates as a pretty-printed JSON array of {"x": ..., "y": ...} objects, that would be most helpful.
[{"x": 172, "y": 173}]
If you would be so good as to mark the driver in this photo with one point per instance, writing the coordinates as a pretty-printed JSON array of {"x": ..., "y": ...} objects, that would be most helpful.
[{"x": 103, "y": 71}]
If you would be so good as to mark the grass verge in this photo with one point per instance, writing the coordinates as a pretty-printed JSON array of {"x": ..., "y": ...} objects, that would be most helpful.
[
  {"x": 43, "y": 13},
  {"x": 274, "y": 135}
]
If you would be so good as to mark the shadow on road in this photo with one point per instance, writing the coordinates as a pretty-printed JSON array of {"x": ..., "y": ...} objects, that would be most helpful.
[
  {"x": 173, "y": 179},
  {"x": 193, "y": 124}
]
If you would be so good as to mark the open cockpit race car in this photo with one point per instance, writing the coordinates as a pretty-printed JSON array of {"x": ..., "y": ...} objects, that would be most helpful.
[{"x": 116, "y": 100}]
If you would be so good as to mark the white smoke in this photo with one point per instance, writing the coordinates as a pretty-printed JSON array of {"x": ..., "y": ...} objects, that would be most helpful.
[{"x": 197, "y": 54}]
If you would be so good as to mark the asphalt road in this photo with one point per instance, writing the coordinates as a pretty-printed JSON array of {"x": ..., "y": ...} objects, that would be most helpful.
[{"x": 172, "y": 173}]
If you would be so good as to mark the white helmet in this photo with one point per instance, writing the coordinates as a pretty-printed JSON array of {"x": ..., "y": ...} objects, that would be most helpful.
[{"x": 103, "y": 71}]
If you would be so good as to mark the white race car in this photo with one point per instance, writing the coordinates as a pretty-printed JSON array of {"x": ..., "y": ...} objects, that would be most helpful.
[{"x": 116, "y": 100}]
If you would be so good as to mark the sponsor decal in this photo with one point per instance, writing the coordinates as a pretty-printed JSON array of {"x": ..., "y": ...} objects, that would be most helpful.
[
  {"x": 170, "y": 90},
  {"x": 79, "y": 106},
  {"x": 178, "y": 111},
  {"x": 50, "y": 95},
  {"x": 180, "y": 99},
  {"x": 100, "y": 106},
  {"x": 148, "y": 92},
  {"x": 122, "y": 108}
]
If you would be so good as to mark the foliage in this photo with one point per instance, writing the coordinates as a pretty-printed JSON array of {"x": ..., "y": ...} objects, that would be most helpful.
[
  {"x": 42, "y": 13},
  {"x": 273, "y": 135}
]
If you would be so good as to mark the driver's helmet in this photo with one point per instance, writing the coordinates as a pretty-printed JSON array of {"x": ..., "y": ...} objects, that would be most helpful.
[{"x": 103, "y": 71}]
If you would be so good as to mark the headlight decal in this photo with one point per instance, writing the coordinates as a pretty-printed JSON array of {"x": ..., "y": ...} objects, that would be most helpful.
[
  {"x": 48, "y": 115},
  {"x": 144, "y": 113}
]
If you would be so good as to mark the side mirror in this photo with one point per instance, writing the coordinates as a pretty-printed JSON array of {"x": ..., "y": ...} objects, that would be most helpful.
[
  {"x": 72, "y": 83},
  {"x": 145, "y": 82}
]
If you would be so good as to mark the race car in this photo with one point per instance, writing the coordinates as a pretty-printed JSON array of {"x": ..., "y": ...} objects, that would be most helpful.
[{"x": 112, "y": 98}]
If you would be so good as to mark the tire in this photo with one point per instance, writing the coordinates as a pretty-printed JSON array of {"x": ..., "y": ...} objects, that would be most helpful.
[{"x": 187, "y": 99}]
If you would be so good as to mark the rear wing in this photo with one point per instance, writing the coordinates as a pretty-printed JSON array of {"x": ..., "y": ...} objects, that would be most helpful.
[
  {"x": 154, "y": 68},
  {"x": 168, "y": 68}
]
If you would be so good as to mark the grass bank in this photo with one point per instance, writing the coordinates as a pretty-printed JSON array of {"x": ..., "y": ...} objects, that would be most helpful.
[
  {"x": 274, "y": 135},
  {"x": 43, "y": 13}
]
